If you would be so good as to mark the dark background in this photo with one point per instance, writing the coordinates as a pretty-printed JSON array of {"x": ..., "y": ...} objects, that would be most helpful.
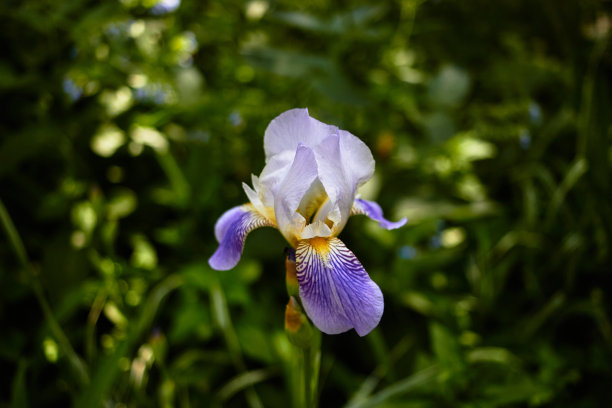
[{"x": 128, "y": 126}]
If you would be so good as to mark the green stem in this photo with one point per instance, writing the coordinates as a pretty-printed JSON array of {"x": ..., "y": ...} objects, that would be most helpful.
[
  {"x": 308, "y": 397},
  {"x": 311, "y": 364}
]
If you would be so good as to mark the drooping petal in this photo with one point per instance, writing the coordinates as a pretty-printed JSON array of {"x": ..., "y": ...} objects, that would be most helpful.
[
  {"x": 231, "y": 231},
  {"x": 298, "y": 180},
  {"x": 335, "y": 289},
  {"x": 373, "y": 210},
  {"x": 292, "y": 127},
  {"x": 226, "y": 220}
]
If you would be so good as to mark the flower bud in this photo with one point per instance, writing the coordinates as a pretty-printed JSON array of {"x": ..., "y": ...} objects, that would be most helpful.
[
  {"x": 297, "y": 326},
  {"x": 293, "y": 287}
]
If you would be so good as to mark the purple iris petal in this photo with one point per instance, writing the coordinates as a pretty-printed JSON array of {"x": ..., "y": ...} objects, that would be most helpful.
[
  {"x": 373, "y": 210},
  {"x": 226, "y": 220},
  {"x": 231, "y": 231},
  {"x": 336, "y": 291}
]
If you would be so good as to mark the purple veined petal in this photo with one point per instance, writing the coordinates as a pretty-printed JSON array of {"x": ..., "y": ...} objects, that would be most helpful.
[
  {"x": 373, "y": 210},
  {"x": 336, "y": 291},
  {"x": 231, "y": 231},
  {"x": 226, "y": 220},
  {"x": 291, "y": 128}
]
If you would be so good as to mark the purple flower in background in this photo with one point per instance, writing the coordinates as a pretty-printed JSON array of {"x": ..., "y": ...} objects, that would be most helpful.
[
  {"x": 307, "y": 190},
  {"x": 165, "y": 6},
  {"x": 72, "y": 89}
]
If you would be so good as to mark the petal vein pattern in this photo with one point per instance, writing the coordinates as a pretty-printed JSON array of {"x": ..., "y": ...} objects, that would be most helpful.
[
  {"x": 335, "y": 289},
  {"x": 231, "y": 231}
]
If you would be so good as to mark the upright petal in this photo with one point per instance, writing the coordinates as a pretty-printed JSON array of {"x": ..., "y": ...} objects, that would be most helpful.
[
  {"x": 332, "y": 174},
  {"x": 292, "y": 127},
  {"x": 336, "y": 291},
  {"x": 257, "y": 197},
  {"x": 356, "y": 158},
  {"x": 313, "y": 199},
  {"x": 344, "y": 163},
  {"x": 298, "y": 180},
  {"x": 231, "y": 231},
  {"x": 274, "y": 173},
  {"x": 373, "y": 210}
]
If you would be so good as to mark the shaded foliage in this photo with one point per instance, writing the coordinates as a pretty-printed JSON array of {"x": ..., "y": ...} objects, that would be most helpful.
[{"x": 128, "y": 126}]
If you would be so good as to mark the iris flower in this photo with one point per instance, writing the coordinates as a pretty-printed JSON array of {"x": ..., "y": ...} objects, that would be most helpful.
[{"x": 307, "y": 190}]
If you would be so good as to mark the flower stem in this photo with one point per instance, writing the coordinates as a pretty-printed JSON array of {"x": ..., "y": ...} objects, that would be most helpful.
[
  {"x": 308, "y": 397},
  {"x": 311, "y": 364}
]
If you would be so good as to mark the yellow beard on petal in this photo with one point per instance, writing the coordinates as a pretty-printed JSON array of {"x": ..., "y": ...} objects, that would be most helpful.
[{"x": 321, "y": 245}]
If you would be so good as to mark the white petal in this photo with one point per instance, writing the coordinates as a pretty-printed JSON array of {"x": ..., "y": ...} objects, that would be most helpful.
[
  {"x": 273, "y": 174},
  {"x": 333, "y": 176},
  {"x": 292, "y": 127},
  {"x": 330, "y": 212},
  {"x": 357, "y": 159},
  {"x": 316, "y": 229},
  {"x": 253, "y": 196},
  {"x": 298, "y": 180},
  {"x": 313, "y": 199}
]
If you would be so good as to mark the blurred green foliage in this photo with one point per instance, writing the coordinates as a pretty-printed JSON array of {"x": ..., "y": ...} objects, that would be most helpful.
[{"x": 128, "y": 126}]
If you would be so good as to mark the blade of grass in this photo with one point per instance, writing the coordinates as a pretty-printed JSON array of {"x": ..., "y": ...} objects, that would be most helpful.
[
  {"x": 380, "y": 372},
  {"x": 92, "y": 319},
  {"x": 13, "y": 236},
  {"x": 243, "y": 381},
  {"x": 108, "y": 370},
  {"x": 574, "y": 173},
  {"x": 222, "y": 315},
  {"x": 19, "y": 393},
  {"x": 77, "y": 364},
  {"x": 533, "y": 323},
  {"x": 178, "y": 183},
  {"x": 415, "y": 381}
]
